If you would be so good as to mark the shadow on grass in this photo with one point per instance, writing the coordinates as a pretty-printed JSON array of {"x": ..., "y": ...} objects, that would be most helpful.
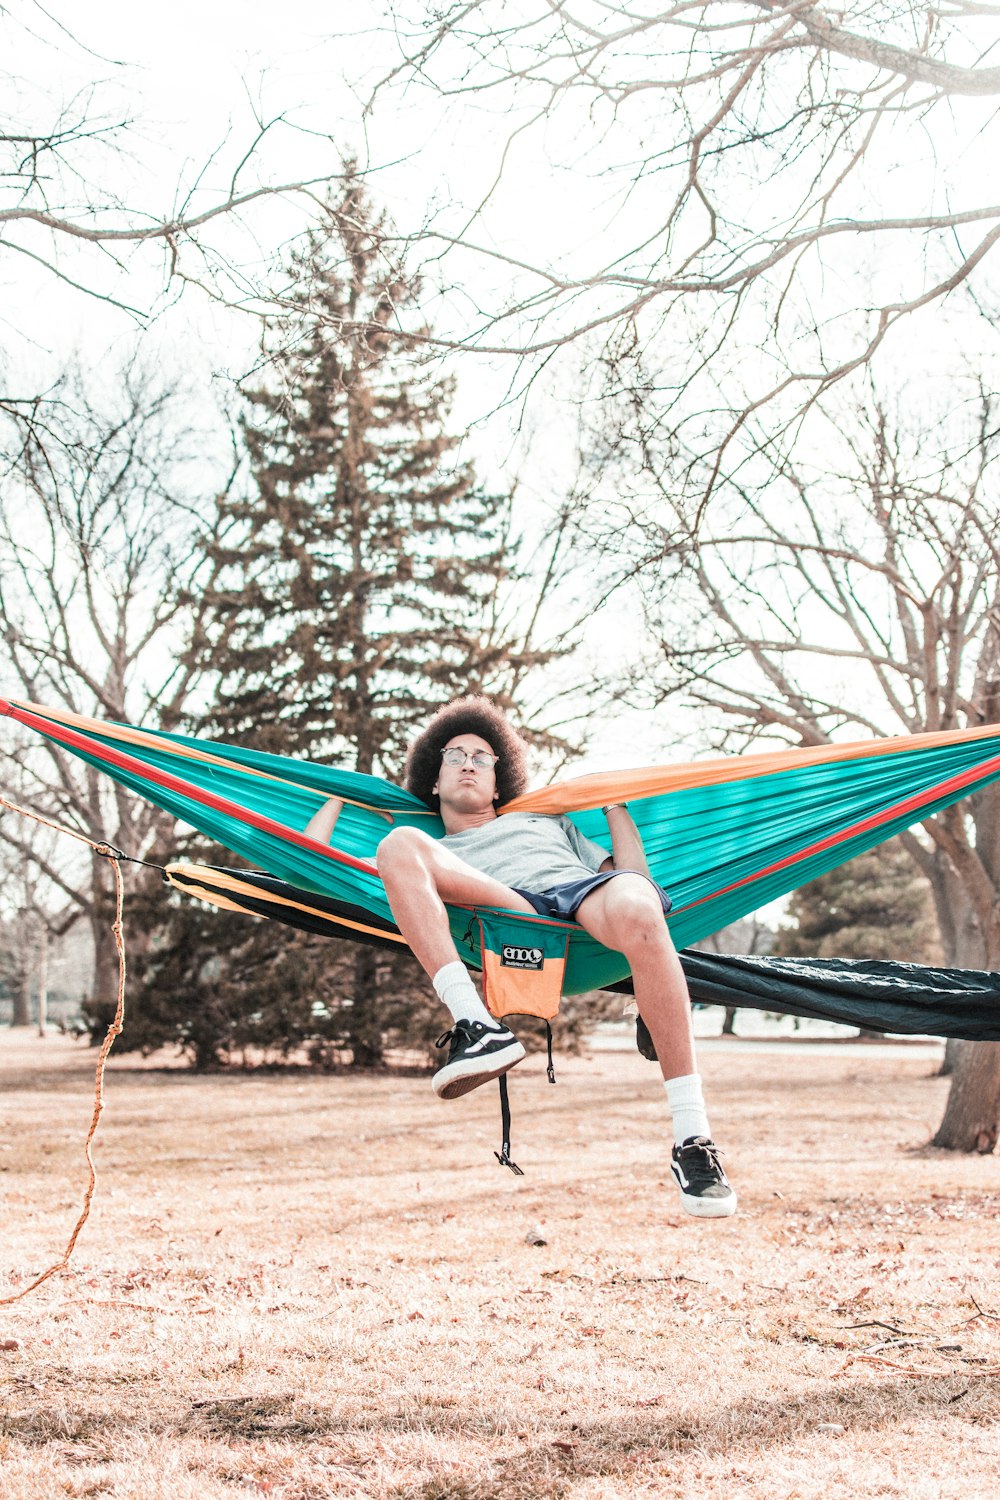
[
  {"x": 624, "y": 1448},
  {"x": 568, "y": 1452}
]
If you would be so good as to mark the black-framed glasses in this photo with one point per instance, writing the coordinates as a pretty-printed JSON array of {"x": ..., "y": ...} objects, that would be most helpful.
[{"x": 481, "y": 759}]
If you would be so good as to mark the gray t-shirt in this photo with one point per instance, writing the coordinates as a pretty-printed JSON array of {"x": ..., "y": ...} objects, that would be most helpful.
[{"x": 528, "y": 850}]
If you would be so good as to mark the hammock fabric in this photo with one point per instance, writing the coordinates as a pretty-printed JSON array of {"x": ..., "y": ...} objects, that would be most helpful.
[
  {"x": 877, "y": 994},
  {"x": 723, "y": 836}
]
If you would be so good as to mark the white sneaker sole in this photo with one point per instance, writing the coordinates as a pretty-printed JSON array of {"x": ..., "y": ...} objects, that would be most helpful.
[
  {"x": 709, "y": 1208},
  {"x": 458, "y": 1078}
]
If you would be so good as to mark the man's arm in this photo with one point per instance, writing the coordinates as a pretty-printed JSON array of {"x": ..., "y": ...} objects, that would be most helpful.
[
  {"x": 627, "y": 852},
  {"x": 321, "y": 825}
]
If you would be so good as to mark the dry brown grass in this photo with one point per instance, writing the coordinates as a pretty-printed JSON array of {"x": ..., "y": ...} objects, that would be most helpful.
[{"x": 301, "y": 1286}]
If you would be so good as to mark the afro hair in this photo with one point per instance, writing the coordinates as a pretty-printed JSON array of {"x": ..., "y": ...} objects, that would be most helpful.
[{"x": 473, "y": 715}]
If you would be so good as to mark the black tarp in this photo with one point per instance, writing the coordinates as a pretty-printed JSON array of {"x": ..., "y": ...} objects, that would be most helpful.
[{"x": 878, "y": 995}]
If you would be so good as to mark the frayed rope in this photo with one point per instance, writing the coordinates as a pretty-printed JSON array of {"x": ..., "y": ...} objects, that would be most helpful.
[{"x": 109, "y": 852}]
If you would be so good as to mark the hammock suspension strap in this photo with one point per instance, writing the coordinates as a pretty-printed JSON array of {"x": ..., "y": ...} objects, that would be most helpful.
[{"x": 503, "y": 1155}]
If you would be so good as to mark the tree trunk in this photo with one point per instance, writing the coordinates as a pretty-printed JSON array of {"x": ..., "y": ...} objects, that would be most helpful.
[
  {"x": 105, "y": 991},
  {"x": 971, "y": 1120},
  {"x": 972, "y": 1116},
  {"x": 43, "y": 980},
  {"x": 22, "y": 997},
  {"x": 102, "y": 917},
  {"x": 206, "y": 1038},
  {"x": 364, "y": 1032}
]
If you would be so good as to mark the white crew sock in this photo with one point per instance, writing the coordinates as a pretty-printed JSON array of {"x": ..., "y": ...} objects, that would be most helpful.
[
  {"x": 687, "y": 1107},
  {"x": 456, "y": 990}
]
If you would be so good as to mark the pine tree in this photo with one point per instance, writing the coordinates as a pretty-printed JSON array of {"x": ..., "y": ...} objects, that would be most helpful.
[
  {"x": 875, "y": 906},
  {"x": 357, "y": 588},
  {"x": 227, "y": 987}
]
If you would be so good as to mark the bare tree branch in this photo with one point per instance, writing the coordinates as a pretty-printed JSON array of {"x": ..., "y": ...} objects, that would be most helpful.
[
  {"x": 741, "y": 149},
  {"x": 98, "y": 531}
]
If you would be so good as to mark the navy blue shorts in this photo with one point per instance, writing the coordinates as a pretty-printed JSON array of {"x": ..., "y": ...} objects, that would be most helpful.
[{"x": 562, "y": 900}]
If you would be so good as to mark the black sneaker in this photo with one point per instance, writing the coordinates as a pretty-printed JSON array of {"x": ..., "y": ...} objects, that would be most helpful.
[
  {"x": 705, "y": 1190},
  {"x": 478, "y": 1053}
]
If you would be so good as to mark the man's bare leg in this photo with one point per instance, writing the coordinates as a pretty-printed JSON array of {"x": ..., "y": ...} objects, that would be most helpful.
[
  {"x": 625, "y": 914},
  {"x": 419, "y": 877}
]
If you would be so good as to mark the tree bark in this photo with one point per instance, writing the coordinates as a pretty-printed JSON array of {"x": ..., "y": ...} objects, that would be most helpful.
[
  {"x": 22, "y": 998},
  {"x": 364, "y": 1032},
  {"x": 971, "y": 1120},
  {"x": 972, "y": 1116},
  {"x": 43, "y": 980},
  {"x": 105, "y": 980}
]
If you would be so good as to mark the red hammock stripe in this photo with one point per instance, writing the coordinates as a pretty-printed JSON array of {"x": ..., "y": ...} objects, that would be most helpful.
[
  {"x": 184, "y": 788},
  {"x": 909, "y": 804}
]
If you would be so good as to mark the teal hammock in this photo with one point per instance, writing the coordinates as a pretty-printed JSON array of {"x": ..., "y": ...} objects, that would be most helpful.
[{"x": 723, "y": 836}]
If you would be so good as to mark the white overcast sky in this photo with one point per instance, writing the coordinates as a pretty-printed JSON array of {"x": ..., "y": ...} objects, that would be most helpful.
[
  {"x": 190, "y": 80},
  {"x": 189, "y": 77}
]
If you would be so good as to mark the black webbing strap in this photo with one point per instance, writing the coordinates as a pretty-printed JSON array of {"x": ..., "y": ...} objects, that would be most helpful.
[
  {"x": 503, "y": 1155},
  {"x": 109, "y": 851}
]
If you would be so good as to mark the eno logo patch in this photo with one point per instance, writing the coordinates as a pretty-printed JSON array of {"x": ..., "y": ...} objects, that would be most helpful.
[{"x": 521, "y": 958}]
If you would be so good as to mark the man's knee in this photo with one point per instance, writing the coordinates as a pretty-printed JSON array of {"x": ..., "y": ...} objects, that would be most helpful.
[
  {"x": 637, "y": 914},
  {"x": 401, "y": 849}
]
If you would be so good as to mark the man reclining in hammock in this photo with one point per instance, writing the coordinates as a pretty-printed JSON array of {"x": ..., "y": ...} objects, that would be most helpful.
[{"x": 466, "y": 762}]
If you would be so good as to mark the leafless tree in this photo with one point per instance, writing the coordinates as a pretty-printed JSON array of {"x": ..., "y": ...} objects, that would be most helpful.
[
  {"x": 857, "y": 594},
  {"x": 66, "y": 215},
  {"x": 30, "y": 915},
  {"x": 773, "y": 188},
  {"x": 97, "y": 556}
]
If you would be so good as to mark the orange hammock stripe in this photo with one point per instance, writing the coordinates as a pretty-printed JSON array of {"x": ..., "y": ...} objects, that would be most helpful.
[{"x": 582, "y": 792}]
